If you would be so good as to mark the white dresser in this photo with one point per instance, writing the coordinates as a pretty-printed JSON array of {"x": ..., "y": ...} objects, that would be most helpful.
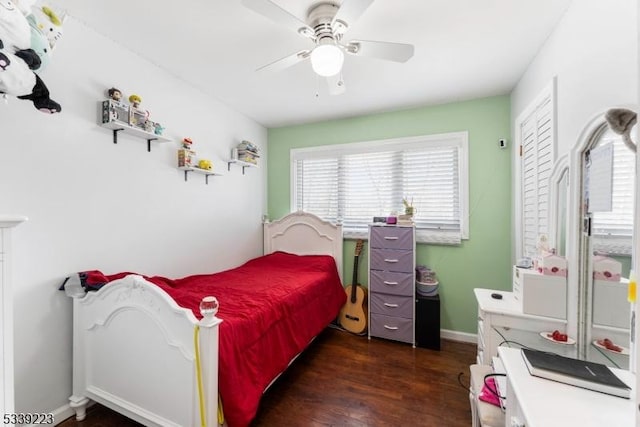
[
  {"x": 502, "y": 322},
  {"x": 392, "y": 282},
  {"x": 6, "y": 314}
]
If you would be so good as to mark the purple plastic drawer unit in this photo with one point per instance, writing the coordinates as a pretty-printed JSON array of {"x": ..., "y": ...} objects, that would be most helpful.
[
  {"x": 390, "y": 282},
  {"x": 392, "y": 305},
  {"x": 392, "y": 260},
  {"x": 391, "y": 237},
  {"x": 391, "y": 327}
]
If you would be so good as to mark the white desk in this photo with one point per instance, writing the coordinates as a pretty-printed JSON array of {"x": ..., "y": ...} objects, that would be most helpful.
[{"x": 537, "y": 402}]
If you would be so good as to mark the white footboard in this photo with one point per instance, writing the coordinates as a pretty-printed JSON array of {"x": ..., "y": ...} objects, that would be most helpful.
[{"x": 134, "y": 352}]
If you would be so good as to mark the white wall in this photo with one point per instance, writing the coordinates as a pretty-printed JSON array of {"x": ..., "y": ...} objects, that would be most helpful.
[
  {"x": 593, "y": 52},
  {"x": 95, "y": 205}
]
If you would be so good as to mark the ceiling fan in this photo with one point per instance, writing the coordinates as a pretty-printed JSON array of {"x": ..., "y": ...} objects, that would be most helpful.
[{"x": 326, "y": 24}]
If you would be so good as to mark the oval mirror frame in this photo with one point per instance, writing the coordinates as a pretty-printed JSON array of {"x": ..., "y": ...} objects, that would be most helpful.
[{"x": 559, "y": 182}]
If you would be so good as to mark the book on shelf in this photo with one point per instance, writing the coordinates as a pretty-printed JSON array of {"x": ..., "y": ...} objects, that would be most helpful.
[{"x": 579, "y": 373}]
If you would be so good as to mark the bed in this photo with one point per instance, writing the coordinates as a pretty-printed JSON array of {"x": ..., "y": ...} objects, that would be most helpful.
[{"x": 134, "y": 339}]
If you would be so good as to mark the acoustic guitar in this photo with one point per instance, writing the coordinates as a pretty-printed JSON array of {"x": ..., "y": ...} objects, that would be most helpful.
[{"x": 353, "y": 315}]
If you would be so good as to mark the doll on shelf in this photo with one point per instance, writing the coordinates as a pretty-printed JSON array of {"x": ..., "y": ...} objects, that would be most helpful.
[
  {"x": 135, "y": 100},
  {"x": 115, "y": 94}
]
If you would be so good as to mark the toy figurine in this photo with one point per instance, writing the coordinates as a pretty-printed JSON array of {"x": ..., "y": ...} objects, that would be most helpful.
[
  {"x": 115, "y": 94},
  {"x": 135, "y": 100},
  {"x": 186, "y": 157},
  {"x": 159, "y": 129}
]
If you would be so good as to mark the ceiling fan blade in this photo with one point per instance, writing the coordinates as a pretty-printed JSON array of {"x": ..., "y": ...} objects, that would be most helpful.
[
  {"x": 348, "y": 13},
  {"x": 278, "y": 15},
  {"x": 336, "y": 84},
  {"x": 286, "y": 62},
  {"x": 398, "y": 52}
]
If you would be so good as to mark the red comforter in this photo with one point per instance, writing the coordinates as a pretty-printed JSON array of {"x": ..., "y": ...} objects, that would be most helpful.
[{"x": 272, "y": 307}]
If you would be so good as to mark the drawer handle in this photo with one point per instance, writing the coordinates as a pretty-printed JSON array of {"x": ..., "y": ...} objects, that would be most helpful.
[
  {"x": 390, "y": 260},
  {"x": 391, "y": 305},
  {"x": 393, "y": 328},
  {"x": 390, "y": 283},
  {"x": 390, "y": 238}
]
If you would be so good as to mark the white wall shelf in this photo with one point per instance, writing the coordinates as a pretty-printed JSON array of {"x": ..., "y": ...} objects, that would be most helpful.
[
  {"x": 207, "y": 173},
  {"x": 117, "y": 126},
  {"x": 121, "y": 117},
  {"x": 240, "y": 163}
]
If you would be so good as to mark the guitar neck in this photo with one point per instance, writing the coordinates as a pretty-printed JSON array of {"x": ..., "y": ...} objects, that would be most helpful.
[{"x": 354, "y": 282}]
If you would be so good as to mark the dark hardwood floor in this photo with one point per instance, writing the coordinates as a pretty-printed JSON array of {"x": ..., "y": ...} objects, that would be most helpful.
[{"x": 347, "y": 380}]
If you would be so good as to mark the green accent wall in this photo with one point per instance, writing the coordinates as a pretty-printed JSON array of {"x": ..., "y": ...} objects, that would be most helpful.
[{"x": 481, "y": 261}]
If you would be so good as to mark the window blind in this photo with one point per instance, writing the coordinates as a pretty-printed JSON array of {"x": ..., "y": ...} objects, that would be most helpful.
[
  {"x": 356, "y": 182},
  {"x": 538, "y": 152},
  {"x": 613, "y": 231}
]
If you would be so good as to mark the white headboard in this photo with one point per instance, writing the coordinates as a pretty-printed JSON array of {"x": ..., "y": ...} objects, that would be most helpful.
[{"x": 303, "y": 233}]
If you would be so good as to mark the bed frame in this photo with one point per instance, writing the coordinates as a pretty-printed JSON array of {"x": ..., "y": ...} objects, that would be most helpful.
[{"x": 133, "y": 346}]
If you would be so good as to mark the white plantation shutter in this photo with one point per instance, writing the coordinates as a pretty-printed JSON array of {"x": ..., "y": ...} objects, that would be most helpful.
[
  {"x": 538, "y": 152},
  {"x": 352, "y": 183},
  {"x": 613, "y": 231}
]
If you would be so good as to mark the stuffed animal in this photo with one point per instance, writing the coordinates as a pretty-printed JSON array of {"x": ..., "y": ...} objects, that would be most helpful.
[
  {"x": 46, "y": 29},
  {"x": 18, "y": 60},
  {"x": 25, "y": 6},
  {"x": 13, "y": 31},
  {"x": 49, "y": 24},
  {"x": 39, "y": 44}
]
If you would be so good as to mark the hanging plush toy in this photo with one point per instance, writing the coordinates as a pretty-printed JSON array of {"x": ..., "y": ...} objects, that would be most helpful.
[
  {"x": 49, "y": 23},
  {"x": 18, "y": 60}
]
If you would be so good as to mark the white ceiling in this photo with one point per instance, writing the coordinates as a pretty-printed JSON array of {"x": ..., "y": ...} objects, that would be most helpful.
[{"x": 464, "y": 49}]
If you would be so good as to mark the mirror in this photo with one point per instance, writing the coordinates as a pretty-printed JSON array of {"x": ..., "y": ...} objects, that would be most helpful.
[{"x": 605, "y": 245}]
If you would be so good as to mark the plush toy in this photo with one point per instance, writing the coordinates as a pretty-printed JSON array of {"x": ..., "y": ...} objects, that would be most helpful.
[
  {"x": 46, "y": 29},
  {"x": 39, "y": 44},
  {"x": 49, "y": 24},
  {"x": 158, "y": 129},
  {"x": 25, "y": 6},
  {"x": 18, "y": 60},
  {"x": 13, "y": 31}
]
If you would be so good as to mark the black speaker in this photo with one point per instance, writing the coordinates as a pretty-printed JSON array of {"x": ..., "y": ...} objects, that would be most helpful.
[{"x": 428, "y": 322}]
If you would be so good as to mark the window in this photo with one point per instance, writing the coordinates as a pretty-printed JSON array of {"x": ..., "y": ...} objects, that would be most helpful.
[
  {"x": 536, "y": 133},
  {"x": 352, "y": 183},
  {"x": 613, "y": 230}
]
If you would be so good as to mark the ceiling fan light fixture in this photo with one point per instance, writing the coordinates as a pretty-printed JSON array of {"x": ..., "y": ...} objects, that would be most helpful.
[{"x": 327, "y": 60}]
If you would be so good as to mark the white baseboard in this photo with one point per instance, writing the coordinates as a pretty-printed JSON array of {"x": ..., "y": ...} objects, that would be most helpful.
[
  {"x": 459, "y": 336},
  {"x": 61, "y": 414}
]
